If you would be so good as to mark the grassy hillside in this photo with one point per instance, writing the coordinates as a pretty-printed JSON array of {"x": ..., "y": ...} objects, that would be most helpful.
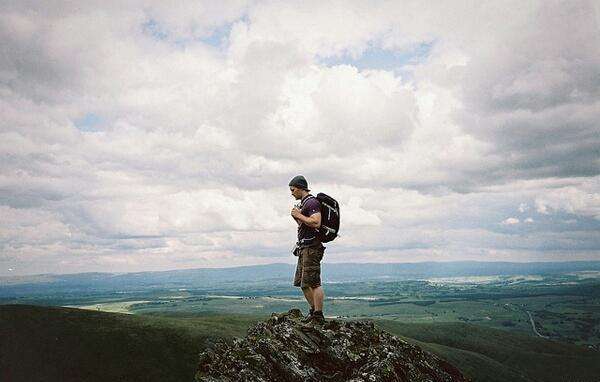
[
  {"x": 487, "y": 354},
  {"x": 65, "y": 344}
]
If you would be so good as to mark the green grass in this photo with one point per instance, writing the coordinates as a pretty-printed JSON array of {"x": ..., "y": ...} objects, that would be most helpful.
[
  {"x": 64, "y": 344},
  {"x": 41, "y": 343},
  {"x": 487, "y": 354}
]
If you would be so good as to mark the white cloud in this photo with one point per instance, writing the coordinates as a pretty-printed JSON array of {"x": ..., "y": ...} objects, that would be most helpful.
[
  {"x": 196, "y": 140},
  {"x": 510, "y": 221},
  {"x": 26, "y": 226},
  {"x": 583, "y": 200},
  {"x": 523, "y": 207}
]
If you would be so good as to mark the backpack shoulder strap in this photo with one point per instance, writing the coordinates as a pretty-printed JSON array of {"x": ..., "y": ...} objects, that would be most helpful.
[{"x": 309, "y": 196}]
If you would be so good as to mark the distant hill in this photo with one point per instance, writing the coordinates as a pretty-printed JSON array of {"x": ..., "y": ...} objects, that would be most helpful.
[
  {"x": 217, "y": 278},
  {"x": 65, "y": 344}
]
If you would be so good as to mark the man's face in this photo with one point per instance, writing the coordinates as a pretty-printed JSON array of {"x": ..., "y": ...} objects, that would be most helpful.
[{"x": 296, "y": 192}]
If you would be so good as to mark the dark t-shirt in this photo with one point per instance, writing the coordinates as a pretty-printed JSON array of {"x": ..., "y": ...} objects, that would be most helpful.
[{"x": 306, "y": 235}]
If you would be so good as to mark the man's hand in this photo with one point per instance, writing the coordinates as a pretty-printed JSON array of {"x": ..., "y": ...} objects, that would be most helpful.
[
  {"x": 296, "y": 213},
  {"x": 313, "y": 221}
]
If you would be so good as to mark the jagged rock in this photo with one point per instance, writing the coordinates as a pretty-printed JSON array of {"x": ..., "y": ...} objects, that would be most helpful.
[{"x": 282, "y": 349}]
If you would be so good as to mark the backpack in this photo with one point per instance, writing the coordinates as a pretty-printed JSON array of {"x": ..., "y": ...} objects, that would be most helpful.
[{"x": 330, "y": 218}]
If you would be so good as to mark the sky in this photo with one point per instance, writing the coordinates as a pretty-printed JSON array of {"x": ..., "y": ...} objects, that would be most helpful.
[{"x": 143, "y": 136}]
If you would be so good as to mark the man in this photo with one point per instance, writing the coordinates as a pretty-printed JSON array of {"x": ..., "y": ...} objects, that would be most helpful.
[{"x": 308, "y": 248}]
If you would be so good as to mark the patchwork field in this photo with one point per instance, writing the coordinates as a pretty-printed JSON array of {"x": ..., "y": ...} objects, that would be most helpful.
[{"x": 560, "y": 307}]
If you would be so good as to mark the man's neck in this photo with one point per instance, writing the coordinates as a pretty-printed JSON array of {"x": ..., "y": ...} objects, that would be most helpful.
[{"x": 304, "y": 195}]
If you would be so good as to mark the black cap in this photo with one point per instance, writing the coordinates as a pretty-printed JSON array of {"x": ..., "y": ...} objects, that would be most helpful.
[{"x": 299, "y": 182}]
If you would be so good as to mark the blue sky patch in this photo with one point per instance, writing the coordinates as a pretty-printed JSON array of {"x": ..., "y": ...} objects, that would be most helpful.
[
  {"x": 381, "y": 59},
  {"x": 217, "y": 38},
  {"x": 88, "y": 122},
  {"x": 153, "y": 28},
  {"x": 219, "y": 35}
]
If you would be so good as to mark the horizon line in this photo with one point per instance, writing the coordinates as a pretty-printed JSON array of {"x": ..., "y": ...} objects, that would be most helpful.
[{"x": 281, "y": 263}]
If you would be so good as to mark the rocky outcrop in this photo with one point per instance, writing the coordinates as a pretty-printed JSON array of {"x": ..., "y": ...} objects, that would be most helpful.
[{"x": 282, "y": 349}]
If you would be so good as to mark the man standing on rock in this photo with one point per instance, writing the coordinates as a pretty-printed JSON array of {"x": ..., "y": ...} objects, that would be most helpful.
[{"x": 308, "y": 248}]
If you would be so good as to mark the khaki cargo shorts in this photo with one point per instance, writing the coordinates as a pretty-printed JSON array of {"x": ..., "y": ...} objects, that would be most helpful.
[{"x": 308, "y": 270}]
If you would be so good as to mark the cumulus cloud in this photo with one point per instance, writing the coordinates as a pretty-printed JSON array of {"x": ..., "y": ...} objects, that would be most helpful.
[
  {"x": 583, "y": 200},
  {"x": 523, "y": 207},
  {"x": 144, "y": 136}
]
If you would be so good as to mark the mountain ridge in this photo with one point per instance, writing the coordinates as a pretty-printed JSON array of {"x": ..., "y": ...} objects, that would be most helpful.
[{"x": 441, "y": 268}]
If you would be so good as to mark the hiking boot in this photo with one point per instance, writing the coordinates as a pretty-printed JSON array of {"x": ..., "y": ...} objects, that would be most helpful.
[
  {"x": 317, "y": 318},
  {"x": 310, "y": 314}
]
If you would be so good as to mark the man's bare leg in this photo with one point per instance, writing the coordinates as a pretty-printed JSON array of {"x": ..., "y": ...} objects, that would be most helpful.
[
  {"x": 317, "y": 296},
  {"x": 308, "y": 294}
]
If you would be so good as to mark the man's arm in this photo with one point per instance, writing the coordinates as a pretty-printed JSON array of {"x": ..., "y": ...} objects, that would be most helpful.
[{"x": 313, "y": 221}]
